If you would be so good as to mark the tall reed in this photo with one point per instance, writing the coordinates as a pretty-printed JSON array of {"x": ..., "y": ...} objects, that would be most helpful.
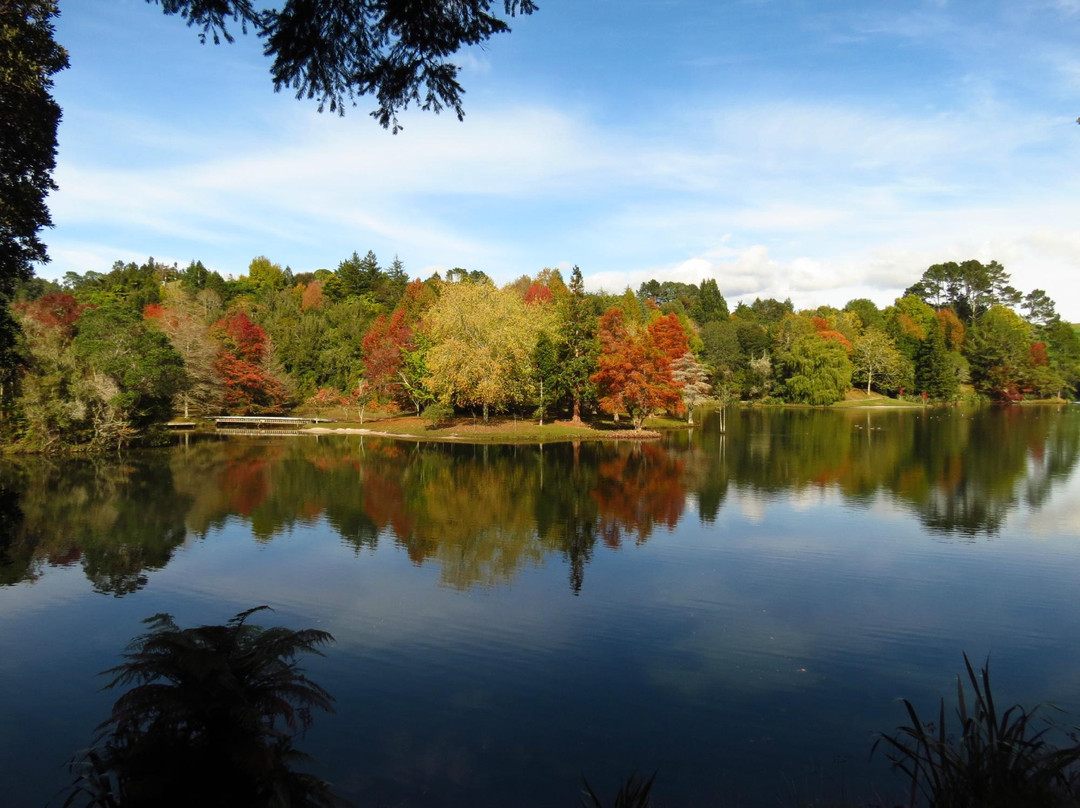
[{"x": 1004, "y": 760}]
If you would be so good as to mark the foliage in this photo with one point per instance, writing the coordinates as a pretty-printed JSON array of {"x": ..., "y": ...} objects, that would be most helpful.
[
  {"x": 634, "y": 793},
  {"x": 332, "y": 51},
  {"x": 997, "y": 761},
  {"x": 633, "y": 373},
  {"x": 209, "y": 719},
  {"x": 692, "y": 377},
  {"x": 1000, "y": 353},
  {"x": 815, "y": 371},
  {"x": 134, "y": 371},
  {"x": 876, "y": 359},
  {"x": 384, "y": 348},
  {"x": 249, "y": 386},
  {"x": 970, "y": 288},
  {"x": 577, "y": 350},
  {"x": 29, "y": 58},
  {"x": 935, "y": 374},
  {"x": 482, "y": 344}
]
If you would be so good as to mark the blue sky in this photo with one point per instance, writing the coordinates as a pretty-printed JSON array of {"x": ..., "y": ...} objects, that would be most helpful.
[{"x": 814, "y": 150}]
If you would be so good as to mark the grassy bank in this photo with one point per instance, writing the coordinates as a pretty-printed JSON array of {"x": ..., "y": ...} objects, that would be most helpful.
[{"x": 497, "y": 430}]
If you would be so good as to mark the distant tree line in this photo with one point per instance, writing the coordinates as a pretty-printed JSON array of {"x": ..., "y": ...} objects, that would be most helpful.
[{"x": 103, "y": 359}]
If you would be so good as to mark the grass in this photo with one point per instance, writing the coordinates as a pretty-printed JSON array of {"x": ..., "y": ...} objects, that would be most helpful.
[
  {"x": 997, "y": 760},
  {"x": 497, "y": 430}
]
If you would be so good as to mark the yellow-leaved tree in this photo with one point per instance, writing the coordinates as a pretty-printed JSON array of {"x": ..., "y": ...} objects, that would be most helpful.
[{"x": 482, "y": 344}]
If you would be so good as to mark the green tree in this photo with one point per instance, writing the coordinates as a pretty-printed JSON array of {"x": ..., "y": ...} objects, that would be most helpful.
[
  {"x": 135, "y": 372},
  {"x": 815, "y": 371},
  {"x": 336, "y": 50},
  {"x": 545, "y": 360},
  {"x": 577, "y": 352},
  {"x": 710, "y": 305},
  {"x": 876, "y": 359},
  {"x": 869, "y": 314},
  {"x": 1000, "y": 353},
  {"x": 29, "y": 58},
  {"x": 935, "y": 374},
  {"x": 266, "y": 276}
]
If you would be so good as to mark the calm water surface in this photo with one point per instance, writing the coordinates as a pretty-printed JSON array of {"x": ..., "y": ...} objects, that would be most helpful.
[{"x": 738, "y": 610}]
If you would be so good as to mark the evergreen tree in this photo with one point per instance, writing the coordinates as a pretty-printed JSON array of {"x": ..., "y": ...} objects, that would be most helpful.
[
  {"x": 577, "y": 355},
  {"x": 935, "y": 375}
]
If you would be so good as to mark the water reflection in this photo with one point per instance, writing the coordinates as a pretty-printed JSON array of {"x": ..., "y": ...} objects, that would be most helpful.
[{"x": 482, "y": 514}]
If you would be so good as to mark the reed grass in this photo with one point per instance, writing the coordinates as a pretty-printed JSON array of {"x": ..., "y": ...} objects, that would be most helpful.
[{"x": 997, "y": 760}]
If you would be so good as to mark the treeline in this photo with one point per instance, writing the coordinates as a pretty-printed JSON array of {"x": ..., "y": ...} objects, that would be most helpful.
[{"x": 103, "y": 358}]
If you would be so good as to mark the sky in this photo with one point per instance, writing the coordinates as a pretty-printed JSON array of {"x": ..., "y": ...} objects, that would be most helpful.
[{"x": 817, "y": 150}]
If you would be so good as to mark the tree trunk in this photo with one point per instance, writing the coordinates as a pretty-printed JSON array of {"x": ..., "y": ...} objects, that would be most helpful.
[
  {"x": 576, "y": 419},
  {"x": 485, "y": 412}
]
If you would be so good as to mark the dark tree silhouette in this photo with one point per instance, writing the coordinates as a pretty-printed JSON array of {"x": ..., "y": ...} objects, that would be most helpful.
[
  {"x": 209, "y": 720},
  {"x": 336, "y": 50}
]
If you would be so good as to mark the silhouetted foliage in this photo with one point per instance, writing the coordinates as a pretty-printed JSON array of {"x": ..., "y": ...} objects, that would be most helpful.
[
  {"x": 209, "y": 720},
  {"x": 333, "y": 50}
]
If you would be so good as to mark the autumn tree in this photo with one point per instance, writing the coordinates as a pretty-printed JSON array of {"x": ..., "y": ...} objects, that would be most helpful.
[
  {"x": 482, "y": 344},
  {"x": 693, "y": 379},
  {"x": 634, "y": 366},
  {"x": 201, "y": 390},
  {"x": 241, "y": 365},
  {"x": 384, "y": 348}
]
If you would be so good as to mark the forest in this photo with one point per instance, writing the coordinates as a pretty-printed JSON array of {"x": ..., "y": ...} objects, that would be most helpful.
[{"x": 103, "y": 360}]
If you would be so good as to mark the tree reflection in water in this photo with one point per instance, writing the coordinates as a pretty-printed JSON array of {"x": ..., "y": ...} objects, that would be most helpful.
[{"x": 483, "y": 513}]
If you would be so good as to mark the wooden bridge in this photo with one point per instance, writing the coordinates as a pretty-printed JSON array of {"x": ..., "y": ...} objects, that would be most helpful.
[{"x": 265, "y": 422}]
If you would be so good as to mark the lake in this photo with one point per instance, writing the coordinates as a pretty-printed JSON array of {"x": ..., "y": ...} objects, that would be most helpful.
[{"x": 737, "y": 609}]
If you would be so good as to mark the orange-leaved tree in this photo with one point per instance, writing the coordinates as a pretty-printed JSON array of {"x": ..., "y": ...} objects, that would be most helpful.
[{"x": 634, "y": 366}]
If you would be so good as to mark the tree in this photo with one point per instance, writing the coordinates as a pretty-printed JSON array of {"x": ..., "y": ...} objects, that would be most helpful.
[
  {"x": 1000, "y": 353},
  {"x": 242, "y": 367},
  {"x": 577, "y": 329},
  {"x": 692, "y": 377},
  {"x": 815, "y": 370},
  {"x": 969, "y": 288},
  {"x": 935, "y": 374},
  {"x": 209, "y": 719},
  {"x": 482, "y": 344},
  {"x": 710, "y": 305},
  {"x": 188, "y": 334},
  {"x": 134, "y": 371},
  {"x": 867, "y": 311},
  {"x": 333, "y": 50},
  {"x": 634, "y": 366},
  {"x": 875, "y": 357},
  {"x": 545, "y": 360},
  {"x": 29, "y": 58},
  {"x": 384, "y": 346}
]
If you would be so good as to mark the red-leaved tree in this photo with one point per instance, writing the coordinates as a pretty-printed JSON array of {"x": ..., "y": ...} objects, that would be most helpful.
[
  {"x": 634, "y": 366},
  {"x": 248, "y": 387}
]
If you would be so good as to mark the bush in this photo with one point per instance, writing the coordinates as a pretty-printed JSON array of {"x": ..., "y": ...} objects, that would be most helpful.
[{"x": 437, "y": 415}]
